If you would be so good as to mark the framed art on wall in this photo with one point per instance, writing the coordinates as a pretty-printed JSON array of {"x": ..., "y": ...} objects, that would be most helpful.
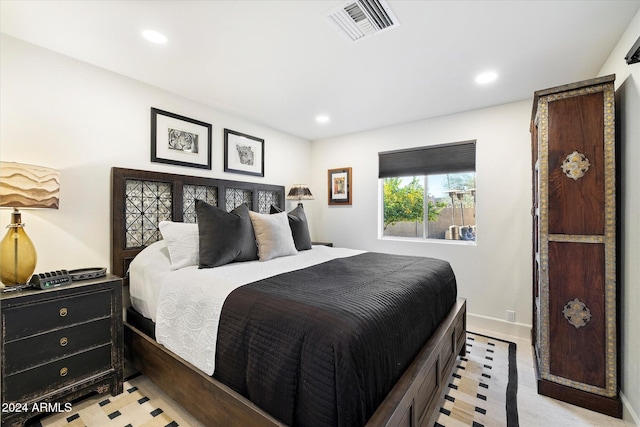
[
  {"x": 243, "y": 153},
  {"x": 179, "y": 140},
  {"x": 340, "y": 190}
]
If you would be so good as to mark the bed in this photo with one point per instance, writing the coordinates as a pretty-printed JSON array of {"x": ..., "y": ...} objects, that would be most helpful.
[{"x": 239, "y": 377}]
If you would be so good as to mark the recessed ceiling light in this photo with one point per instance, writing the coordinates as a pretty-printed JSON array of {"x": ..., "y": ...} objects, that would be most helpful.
[
  {"x": 154, "y": 36},
  {"x": 487, "y": 77},
  {"x": 322, "y": 119}
]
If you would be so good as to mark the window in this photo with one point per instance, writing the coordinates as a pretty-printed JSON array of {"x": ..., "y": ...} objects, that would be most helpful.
[{"x": 429, "y": 192}]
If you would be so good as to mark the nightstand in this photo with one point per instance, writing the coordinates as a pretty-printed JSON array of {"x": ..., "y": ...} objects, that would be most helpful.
[{"x": 58, "y": 345}]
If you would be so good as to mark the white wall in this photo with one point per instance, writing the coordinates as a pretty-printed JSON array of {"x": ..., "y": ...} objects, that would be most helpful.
[
  {"x": 628, "y": 135},
  {"x": 495, "y": 274},
  {"x": 80, "y": 119}
]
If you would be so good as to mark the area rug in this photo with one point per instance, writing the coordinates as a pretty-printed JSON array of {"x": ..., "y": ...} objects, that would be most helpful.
[
  {"x": 140, "y": 405},
  {"x": 482, "y": 390}
]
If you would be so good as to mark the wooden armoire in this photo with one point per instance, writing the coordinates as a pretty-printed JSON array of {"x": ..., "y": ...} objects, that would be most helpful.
[{"x": 574, "y": 244}]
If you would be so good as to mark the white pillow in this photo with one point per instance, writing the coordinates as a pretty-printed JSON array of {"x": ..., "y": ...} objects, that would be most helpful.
[
  {"x": 145, "y": 276},
  {"x": 273, "y": 235},
  {"x": 182, "y": 242}
]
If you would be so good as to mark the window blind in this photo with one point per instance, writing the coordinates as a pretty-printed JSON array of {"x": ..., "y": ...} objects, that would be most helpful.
[{"x": 430, "y": 160}]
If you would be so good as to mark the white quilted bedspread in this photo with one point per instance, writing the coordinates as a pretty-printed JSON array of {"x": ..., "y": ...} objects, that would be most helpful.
[{"x": 186, "y": 303}]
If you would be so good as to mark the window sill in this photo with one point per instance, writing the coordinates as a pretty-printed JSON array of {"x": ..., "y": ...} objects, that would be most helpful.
[{"x": 436, "y": 241}]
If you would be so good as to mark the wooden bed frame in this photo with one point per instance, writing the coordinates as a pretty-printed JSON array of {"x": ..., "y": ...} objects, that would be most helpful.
[{"x": 410, "y": 403}]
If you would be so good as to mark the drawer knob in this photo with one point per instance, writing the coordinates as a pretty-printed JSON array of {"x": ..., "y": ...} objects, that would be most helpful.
[
  {"x": 64, "y": 372},
  {"x": 64, "y": 341},
  {"x": 63, "y": 311}
]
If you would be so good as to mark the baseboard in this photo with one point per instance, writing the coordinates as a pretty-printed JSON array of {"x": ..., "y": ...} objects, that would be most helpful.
[
  {"x": 520, "y": 330},
  {"x": 628, "y": 414}
]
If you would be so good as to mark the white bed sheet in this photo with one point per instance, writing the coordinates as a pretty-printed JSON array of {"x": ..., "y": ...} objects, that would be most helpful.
[{"x": 185, "y": 304}]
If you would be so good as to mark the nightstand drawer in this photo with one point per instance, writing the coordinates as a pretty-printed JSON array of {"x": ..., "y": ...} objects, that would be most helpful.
[
  {"x": 49, "y": 377},
  {"x": 62, "y": 312},
  {"x": 42, "y": 348}
]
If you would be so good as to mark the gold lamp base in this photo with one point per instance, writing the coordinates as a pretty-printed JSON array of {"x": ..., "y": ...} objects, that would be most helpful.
[{"x": 17, "y": 254}]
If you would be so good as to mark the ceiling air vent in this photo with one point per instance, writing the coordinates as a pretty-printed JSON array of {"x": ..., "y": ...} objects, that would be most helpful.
[{"x": 363, "y": 18}]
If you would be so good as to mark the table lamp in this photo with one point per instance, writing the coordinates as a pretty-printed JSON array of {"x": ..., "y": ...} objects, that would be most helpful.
[
  {"x": 23, "y": 186},
  {"x": 299, "y": 192}
]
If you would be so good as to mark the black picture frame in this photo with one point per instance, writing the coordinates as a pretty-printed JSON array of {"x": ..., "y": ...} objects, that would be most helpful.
[
  {"x": 243, "y": 153},
  {"x": 179, "y": 140}
]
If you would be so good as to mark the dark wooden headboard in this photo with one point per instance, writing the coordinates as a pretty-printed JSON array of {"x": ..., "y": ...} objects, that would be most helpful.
[{"x": 141, "y": 199}]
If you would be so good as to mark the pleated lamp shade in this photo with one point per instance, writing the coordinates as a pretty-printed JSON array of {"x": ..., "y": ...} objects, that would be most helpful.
[{"x": 299, "y": 192}]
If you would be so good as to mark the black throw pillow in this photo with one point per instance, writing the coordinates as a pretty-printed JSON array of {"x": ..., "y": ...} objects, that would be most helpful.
[
  {"x": 224, "y": 237},
  {"x": 299, "y": 227}
]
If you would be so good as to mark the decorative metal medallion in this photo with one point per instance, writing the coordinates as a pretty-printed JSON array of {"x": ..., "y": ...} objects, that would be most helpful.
[
  {"x": 577, "y": 313},
  {"x": 575, "y": 165}
]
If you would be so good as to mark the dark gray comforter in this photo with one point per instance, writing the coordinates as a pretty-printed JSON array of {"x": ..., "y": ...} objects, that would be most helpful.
[{"x": 323, "y": 346}]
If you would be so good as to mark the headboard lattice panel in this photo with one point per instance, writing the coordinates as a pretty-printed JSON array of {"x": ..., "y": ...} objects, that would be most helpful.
[
  {"x": 266, "y": 199},
  {"x": 236, "y": 196},
  {"x": 189, "y": 195},
  {"x": 146, "y": 204},
  {"x": 141, "y": 199}
]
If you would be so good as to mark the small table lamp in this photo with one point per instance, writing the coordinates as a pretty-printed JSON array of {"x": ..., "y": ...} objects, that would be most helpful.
[
  {"x": 299, "y": 192},
  {"x": 23, "y": 186}
]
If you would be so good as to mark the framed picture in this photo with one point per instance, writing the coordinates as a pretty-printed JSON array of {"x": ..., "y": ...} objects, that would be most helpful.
[
  {"x": 179, "y": 140},
  {"x": 243, "y": 153},
  {"x": 340, "y": 190}
]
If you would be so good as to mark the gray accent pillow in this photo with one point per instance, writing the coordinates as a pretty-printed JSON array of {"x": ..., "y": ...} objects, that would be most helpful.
[
  {"x": 273, "y": 235},
  {"x": 224, "y": 236},
  {"x": 299, "y": 227}
]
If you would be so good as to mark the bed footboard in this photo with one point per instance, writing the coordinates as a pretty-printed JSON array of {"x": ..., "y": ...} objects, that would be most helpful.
[
  {"x": 415, "y": 396},
  {"x": 410, "y": 403}
]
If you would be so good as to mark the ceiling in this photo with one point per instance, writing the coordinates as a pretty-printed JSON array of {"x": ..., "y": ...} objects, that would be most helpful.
[{"x": 282, "y": 63}]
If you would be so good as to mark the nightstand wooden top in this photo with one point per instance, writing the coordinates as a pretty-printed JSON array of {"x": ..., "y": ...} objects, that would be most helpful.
[{"x": 73, "y": 285}]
